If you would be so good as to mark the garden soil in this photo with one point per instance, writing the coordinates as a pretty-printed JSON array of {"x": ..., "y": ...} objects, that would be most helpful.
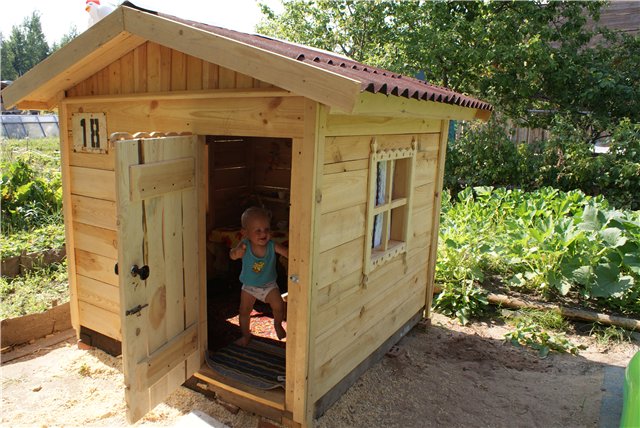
[{"x": 441, "y": 375}]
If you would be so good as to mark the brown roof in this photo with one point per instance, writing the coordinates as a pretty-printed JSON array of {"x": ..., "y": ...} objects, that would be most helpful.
[{"x": 372, "y": 79}]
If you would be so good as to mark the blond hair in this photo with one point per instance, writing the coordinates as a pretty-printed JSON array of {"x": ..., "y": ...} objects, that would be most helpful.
[{"x": 252, "y": 213}]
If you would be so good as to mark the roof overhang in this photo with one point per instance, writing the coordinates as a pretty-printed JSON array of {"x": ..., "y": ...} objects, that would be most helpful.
[
  {"x": 369, "y": 104},
  {"x": 126, "y": 28}
]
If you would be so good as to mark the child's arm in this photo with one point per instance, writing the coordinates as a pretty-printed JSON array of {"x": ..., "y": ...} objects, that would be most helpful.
[
  {"x": 282, "y": 250},
  {"x": 238, "y": 251}
]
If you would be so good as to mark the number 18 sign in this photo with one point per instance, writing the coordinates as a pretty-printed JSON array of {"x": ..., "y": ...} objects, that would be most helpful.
[{"x": 89, "y": 132}]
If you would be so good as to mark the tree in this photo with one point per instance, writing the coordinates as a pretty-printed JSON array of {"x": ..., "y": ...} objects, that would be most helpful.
[
  {"x": 72, "y": 34},
  {"x": 526, "y": 58},
  {"x": 25, "y": 47}
]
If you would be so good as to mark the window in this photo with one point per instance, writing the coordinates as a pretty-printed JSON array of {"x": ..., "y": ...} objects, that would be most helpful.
[{"x": 389, "y": 203}]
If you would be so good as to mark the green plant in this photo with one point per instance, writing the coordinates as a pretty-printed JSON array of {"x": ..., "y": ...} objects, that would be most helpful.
[
  {"x": 84, "y": 370},
  {"x": 605, "y": 335},
  {"x": 484, "y": 155},
  {"x": 546, "y": 319},
  {"x": 28, "y": 201},
  {"x": 462, "y": 300},
  {"x": 36, "y": 291},
  {"x": 546, "y": 242},
  {"x": 22, "y": 242},
  {"x": 534, "y": 336}
]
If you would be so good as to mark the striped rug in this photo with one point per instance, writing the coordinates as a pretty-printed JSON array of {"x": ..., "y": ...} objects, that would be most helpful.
[{"x": 259, "y": 364}]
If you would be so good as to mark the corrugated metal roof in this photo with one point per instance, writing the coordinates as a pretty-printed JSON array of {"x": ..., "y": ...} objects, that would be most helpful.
[{"x": 372, "y": 79}]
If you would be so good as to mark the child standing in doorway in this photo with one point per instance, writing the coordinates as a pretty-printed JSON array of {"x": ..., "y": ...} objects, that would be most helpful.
[{"x": 258, "y": 275}]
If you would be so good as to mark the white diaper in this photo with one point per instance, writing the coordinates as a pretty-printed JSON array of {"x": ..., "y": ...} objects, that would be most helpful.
[{"x": 260, "y": 293}]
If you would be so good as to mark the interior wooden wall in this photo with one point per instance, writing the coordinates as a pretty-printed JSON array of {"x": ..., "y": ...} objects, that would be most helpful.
[
  {"x": 248, "y": 172},
  {"x": 354, "y": 314},
  {"x": 148, "y": 68}
]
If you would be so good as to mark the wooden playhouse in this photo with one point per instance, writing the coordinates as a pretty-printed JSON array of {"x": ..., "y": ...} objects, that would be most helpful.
[{"x": 169, "y": 128}]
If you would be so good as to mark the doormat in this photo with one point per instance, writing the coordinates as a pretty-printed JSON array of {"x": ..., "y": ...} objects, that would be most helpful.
[{"x": 260, "y": 365}]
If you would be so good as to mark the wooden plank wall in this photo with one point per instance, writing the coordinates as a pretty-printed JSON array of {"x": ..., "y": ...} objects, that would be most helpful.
[
  {"x": 93, "y": 211},
  {"x": 148, "y": 68},
  {"x": 355, "y": 314},
  {"x": 155, "y": 68}
]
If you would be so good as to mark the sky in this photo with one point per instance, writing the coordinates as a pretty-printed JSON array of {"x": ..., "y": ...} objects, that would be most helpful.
[{"x": 57, "y": 16}]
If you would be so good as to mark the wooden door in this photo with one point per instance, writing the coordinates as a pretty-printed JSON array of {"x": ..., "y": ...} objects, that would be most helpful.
[{"x": 158, "y": 218}]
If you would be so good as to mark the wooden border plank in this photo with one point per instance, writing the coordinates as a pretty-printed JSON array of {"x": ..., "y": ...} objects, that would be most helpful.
[
  {"x": 65, "y": 148},
  {"x": 437, "y": 200}
]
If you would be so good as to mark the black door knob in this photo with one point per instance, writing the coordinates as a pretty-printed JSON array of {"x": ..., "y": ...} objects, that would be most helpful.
[{"x": 143, "y": 271}]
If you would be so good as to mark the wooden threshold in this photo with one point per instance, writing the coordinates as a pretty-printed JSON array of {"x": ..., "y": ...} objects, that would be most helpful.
[{"x": 269, "y": 403}]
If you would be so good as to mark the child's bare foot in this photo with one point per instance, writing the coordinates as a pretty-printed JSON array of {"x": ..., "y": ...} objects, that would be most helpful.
[
  {"x": 280, "y": 331},
  {"x": 243, "y": 341}
]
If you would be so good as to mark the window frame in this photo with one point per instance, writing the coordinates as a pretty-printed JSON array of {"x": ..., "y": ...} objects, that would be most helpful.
[{"x": 392, "y": 227}]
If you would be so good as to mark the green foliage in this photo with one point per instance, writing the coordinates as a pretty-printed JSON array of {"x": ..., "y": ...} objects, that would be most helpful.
[
  {"x": 40, "y": 239},
  {"x": 462, "y": 300},
  {"x": 485, "y": 156},
  {"x": 28, "y": 201},
  {"x": 36, "y": 291},
  {"x": 606, "y": 335},
  {"x": 72, "y": 34},
  {"x": 31, "y": 185},
  {"x": 535, "y": 336},
  {"x": 546, "y": 242},
  {"x": 25, "y": 47},
  {"x": 546, "y": 319},
  {"x": 521, "y": 56}
]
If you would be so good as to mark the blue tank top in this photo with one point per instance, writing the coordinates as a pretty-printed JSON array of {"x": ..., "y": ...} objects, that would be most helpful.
[{"x": 258, "y": 271}]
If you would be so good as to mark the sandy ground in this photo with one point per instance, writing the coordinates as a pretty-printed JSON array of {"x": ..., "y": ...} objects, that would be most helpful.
[{"x": 442, "y": 375}]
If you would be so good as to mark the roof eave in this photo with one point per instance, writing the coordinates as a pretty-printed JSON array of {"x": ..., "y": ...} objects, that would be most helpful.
[
  {"x": 86, "y": 54},
  {"x": 369, "y": 104},
  {"x": 295, "y": 76}
]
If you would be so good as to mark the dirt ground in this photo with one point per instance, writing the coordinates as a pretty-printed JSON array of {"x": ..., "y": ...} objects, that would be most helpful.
[{"x": 442, "y": 375}]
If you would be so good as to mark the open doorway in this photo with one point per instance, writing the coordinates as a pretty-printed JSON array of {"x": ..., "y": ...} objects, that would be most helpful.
[{"x": 243, "y": 172}]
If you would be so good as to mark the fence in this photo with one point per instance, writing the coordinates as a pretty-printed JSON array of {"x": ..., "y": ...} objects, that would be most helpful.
[{"x": 30, "y": 126}]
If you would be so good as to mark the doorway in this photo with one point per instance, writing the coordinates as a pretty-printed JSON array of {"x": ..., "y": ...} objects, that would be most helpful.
[{"x": 243, "y": 172}]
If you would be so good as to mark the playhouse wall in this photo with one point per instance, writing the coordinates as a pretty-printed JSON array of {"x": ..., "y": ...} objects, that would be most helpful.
[
  {"x": 119, "y": 91},
  {"x": 354, "y": 314}
]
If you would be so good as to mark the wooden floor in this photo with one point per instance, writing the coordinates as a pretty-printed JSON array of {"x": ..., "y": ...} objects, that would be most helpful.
[{"x": 269, "y": 403}]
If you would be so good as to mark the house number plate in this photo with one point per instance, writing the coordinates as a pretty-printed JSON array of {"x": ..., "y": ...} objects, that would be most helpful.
[{"x": 89, "y": 132}]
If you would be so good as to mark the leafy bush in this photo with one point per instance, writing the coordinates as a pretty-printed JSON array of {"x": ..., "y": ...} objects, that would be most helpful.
[
  {"x": 485, "y": 156},
  {"x": 462, "y": 300},
  {"x": 546, "y": 242},
  {"x": 30, "y": 197}
]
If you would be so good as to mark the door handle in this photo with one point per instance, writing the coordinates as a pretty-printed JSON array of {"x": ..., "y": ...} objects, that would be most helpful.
[{"x": 143, "y": 271}]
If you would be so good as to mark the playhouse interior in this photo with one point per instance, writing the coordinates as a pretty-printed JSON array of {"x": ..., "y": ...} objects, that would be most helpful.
[{"x": 242, "y": 172}]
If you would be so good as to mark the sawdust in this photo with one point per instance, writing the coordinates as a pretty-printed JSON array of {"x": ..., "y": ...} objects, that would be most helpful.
[{"x": 442, "y": 375}]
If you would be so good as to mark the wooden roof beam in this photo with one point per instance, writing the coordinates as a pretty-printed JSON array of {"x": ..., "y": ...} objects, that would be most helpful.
[
  {"x": 295, "y": 76},
  {"x": 88, "y": 53}
]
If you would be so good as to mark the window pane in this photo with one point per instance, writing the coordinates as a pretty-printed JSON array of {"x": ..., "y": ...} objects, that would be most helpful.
[
  {"x": 377, "y": 231},
  {"x": 398, "y": 225},
  {"x": 381, "y": 180},
  {"x": 400, "y": 177}
]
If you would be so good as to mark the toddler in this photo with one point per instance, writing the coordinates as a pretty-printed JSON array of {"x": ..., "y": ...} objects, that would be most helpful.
[{"x": 258, "y": 275}]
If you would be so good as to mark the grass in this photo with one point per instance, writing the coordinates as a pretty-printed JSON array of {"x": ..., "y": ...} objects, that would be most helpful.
[
  {"x": 40, "y": 239},
  {"x": 547, "y": 319},
  {"x": 36, "y": 291},
  {"x": 608, "y": 335}
]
